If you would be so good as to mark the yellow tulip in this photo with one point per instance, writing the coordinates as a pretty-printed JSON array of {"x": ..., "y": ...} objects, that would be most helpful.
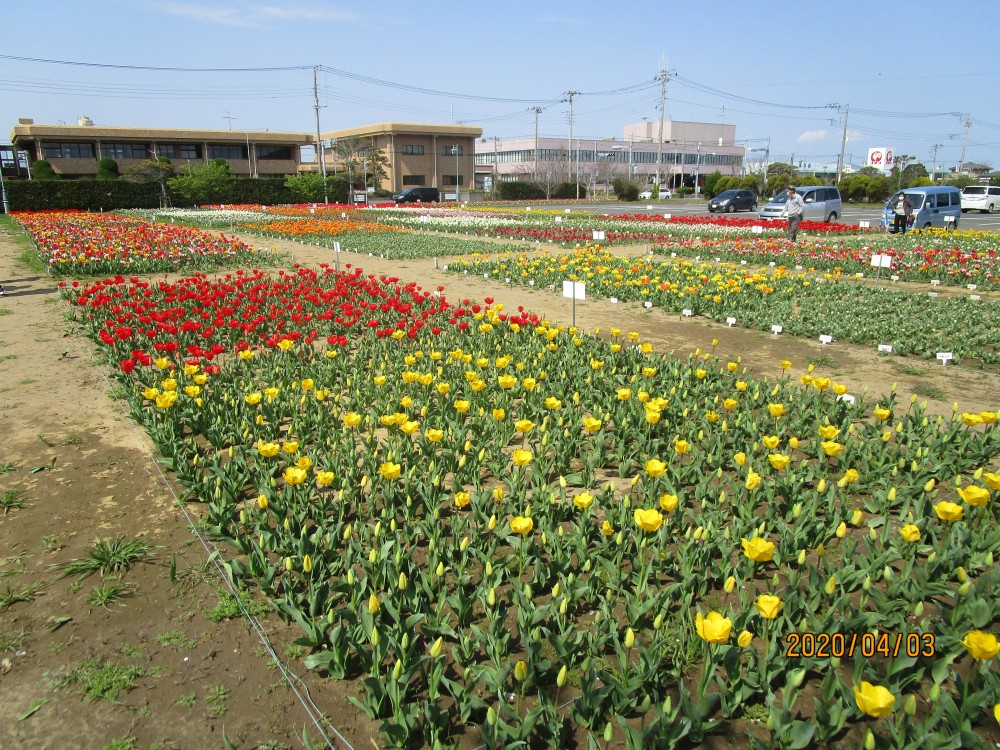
[
  {"x": 324, "y": 478},
  {"x": 524, "y": 426},
  {"x": 758, "y": 549},
  {"x": 606, "y": 528},
  {"x": 648, "y": 519},
  {"x": 435, "y": 436},
  {"x": 740, "y": 458},
  {"x": 974, "y": 496},
  {"x": 294, "y": 475},
  {"x": 949, "y": 511},
  {"x": 779, "y": 461},
  {"x": 668, "y": 502},
  {"x": 771, "y": 441},
  {"x": 583, "y": 500},
  {"x": 776, "y": 410},
  {"x": 507, "y": 381},
  {"x": 831, "y": 448},
  {"x": 390, "y": 470},
  {"x": 753, "y": 480},
  {"x": 522, "y": 525},
  {"x": 655, "y": 468},
  {"x": 681, "y": 446},
  {"x": 981, "y": 645},
  {"x": 713, "y": 628},
  {"x": 462, "y": 406},
  {"x": 882, "y": 414},
  {"x": 768, "y": 605},
  {"x": 522, "y": 457},
  {"x": 590, "y": 424},
  {"x": 874, "y": 700},
  {"x": 745, "y": 638},
  {"x": 828, "y": 432}
]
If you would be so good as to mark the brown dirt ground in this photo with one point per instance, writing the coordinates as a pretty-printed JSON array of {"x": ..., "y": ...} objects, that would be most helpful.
[{"x": 99, "y": 479}]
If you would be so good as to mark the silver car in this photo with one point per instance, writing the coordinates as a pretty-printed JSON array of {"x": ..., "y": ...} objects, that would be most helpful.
[{"x": 821, "y": 204}]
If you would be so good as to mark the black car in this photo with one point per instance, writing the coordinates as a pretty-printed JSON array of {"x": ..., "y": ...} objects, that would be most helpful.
[
  {"x": 733, "y": 200},
  {"x": 419, "y": 195}
]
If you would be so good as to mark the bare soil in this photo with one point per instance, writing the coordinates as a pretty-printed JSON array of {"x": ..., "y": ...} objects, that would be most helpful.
[{"x": 84, "y": 471}]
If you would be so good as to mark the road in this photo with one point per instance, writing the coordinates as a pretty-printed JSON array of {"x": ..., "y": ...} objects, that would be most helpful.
[{"x": 851, "y": 214}]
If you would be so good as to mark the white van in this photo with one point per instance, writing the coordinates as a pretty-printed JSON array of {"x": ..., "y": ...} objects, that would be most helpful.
[
  {"x": 821, "y": 203},
  {"x": 985, "y": 198},
  {"x": 931, "y": 207}
]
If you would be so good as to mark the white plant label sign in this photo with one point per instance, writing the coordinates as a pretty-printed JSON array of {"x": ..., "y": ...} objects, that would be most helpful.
[
  {"x": 730, "y": 321},
  {"x": 887, "y": 348},
  {"x": 824, "y": 339},
  {"x": 776, "y": 330},
  {"x": 687, "y": 313},
  {"x": 574, "y": 290},
  {"x": 945, "y": 357}
]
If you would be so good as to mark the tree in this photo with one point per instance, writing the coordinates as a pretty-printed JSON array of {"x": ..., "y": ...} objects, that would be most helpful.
[
  {"x": 625, "y": 190},
  {"x": 709, "y": 187},
  {"x": 749, "y": 182},
  {"x": 204, "y": 183},
  {"x": 158, "y": 170},
  {"x": 107, "y": 169},
  {"x": 308, "y": 187},
  {"x": 43, "y": 171},
  {"x": 724, "y": 183}
]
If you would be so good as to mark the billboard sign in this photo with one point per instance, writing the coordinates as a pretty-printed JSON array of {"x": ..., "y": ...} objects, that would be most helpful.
[{"x": 882, "y": 158}]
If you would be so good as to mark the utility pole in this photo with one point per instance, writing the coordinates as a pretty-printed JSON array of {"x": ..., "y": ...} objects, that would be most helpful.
[
  {"x": 229, "y": 117},
  {"x": 320, "y": 151},
  {"x": 934, "y": 166},
  {"x": 843, "y": 144},
  {"x": 537, "y": 111},
  {"x": 569, "y": 170},
  {"x": 664, "y": 76},
  {"x": 965, "y": 143}
]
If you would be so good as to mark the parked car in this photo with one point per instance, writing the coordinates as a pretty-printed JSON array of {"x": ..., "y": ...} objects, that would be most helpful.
[
  {"x": 822, "y": 204},
  {"x": 985, "y": 198},
  {"x": 418, "y": 195},
  {"x": 733, "y": 200},
  {"x": 646, "y": 195},
  {"x": 931, "y": 206}
]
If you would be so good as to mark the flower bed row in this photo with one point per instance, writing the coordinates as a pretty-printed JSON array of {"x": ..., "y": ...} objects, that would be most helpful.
[
  {"x": 803, "y": 304},
  {"x": 74, "y": 242},
  {"x": 503, "y": 527}
]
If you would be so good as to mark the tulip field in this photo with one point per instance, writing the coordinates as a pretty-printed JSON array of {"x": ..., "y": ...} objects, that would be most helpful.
[
  {"x": 803, "y": 304},
  {"x": 72, "y": 242},
  {"x": 499, "y": 531}
]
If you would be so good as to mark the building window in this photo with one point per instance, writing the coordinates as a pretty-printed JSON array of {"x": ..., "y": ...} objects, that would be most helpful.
[
  {"x": 68, "y": 150},
  {"x": 414, "y": 179},
  {"x": 448, "y": 150},
  {"x": 278, "y": 153},
  {"x": 449, "y": 179},
  {"x": 227, "y": 152},
  {"x": 179, "y": 150},
  {"x": 411, "y": 150},
  {"x": 125, "y": 150}
]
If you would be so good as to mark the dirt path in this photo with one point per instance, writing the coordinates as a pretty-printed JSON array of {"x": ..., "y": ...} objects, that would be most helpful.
[{"x": 84, "y": 471}]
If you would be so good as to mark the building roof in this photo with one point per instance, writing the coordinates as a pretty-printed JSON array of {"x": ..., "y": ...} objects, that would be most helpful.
[
  {"x": 404, "y": 128},
  {"x": 25, "y": 132}
]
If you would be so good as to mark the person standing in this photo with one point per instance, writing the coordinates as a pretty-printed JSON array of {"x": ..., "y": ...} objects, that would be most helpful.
[
  {"x": 794, "y": 207},
  {"x": 902, "y": 210}
]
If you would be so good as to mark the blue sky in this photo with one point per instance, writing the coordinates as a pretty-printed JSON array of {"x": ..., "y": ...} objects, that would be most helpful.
[{"x": 901, "y": 66}]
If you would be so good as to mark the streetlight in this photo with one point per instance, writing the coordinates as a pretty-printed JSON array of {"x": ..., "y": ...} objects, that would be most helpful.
[
  {"x": 454, "y": 150},
  {"x": 697, "y": 170}
]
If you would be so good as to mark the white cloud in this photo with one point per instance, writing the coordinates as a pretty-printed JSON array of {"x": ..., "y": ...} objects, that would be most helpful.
[
  {"x": 812, "y": 135},
  {"x": 254, "y": 16}
]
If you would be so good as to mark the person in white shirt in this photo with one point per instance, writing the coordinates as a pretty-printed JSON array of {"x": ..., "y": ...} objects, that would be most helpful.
[{"x": 794, "y": 207}]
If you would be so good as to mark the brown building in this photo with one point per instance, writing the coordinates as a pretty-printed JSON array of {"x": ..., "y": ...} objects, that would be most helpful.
[
  {"x": 75, "y": 150},
  {"x": 438, "y": 156}
]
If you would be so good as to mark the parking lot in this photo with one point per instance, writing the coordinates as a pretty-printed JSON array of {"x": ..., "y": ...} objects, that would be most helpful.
[{"x": 851, "y": 215}]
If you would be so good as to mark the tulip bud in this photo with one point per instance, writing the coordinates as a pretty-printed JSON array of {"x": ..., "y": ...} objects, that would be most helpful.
[
  {"x": 491, "y": 597},
  {"x": 867, "y": 583},
  {"x": 910, "y": 705},
  {"x": 555, "y": 589},
  {"x": 350, "y": 578},
  {"x": 493, "y": 523},
  {"x": 563, "y": 607},
  {"x": 730, "y": 585},
  {"x": 775, "y": 580},
  {"x": 935, "y": 693},
  {"x": 801, "y": 558},
  {"x": 288, "y": 564},
  {"x": 831, "y": 586},
  {"x": 439, "y": 571},
  {"x": 961, "y": 575},
  {"x": 629, "y": 638},
  {"x": 375, "y": 637},
  {"x": 821, "y": 487},
  {"x": 438, "y": 648},
  {"x": 521, "y": 671},
  {"x": 489, "y": 568},
  {"x": 965, "y": 588},
  {"x": 561, "y": 677},
  {"x": 491, "y": 716},
  {"x": 835, "y": 662},
  {"x": 397, "y": 670},
  {"x": 871, "y": 534},
  {"x": 796, "y": 510},
  {"x": 841, "y": 530},
  {"x": 796, "y": 677},
  {"x": 918, "y": 610},
  {"x": 609, "y": 731},
  {"x": 402, "y": 581},
  {"x": 887, "y": 573},
  {"x": 373, "y": 556},
  {"x": 307, "y": 564},
  {"x": 869, "y": 741}
]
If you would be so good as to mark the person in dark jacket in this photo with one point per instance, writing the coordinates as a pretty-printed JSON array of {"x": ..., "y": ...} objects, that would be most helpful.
[{"x": 902, "y": 210}]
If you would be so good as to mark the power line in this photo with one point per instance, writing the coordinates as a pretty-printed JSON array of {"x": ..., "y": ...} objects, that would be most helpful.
[{"x": 154, "y": 67}]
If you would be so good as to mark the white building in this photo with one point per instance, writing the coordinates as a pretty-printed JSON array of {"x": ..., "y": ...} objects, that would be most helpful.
[{"x": 688, "y": 152}]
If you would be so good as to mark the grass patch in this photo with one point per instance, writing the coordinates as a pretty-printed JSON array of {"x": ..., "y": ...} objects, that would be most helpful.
[
  {"x": 10, "y": 597},
  {"x": 929, "y": 391},
  {"x": 822, "y": 360},
  {"x": 216, "y": 698},
  {"x": 100, "y": 681},
  {"x": 5, "y": 311},
  {"x": 31, "y": 259},
  {"x": 13, "y": 640},
  {"x": 109, "y": 556},
  {"x": 917, "y": 372},
  {"x": 228, "y": 607},
  {"x": 8, "y": 466},
  {"x": 122, "y": 743},
  {"x": 110, "y": 593},
  {"x": 10, "y": 500},
  {"x": 176, "y": 639},
  {"x": 188, "y": 700}
]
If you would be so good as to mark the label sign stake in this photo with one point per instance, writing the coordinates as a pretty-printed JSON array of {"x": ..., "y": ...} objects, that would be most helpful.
[
  {"x": 944, "y": 357},
  {"x": 887, "y": 348},
  {"x": 730, "y": 321},
  {"x": 824, "y": 339},
  {"x": 576, "y": 290},
  {"x": 687, "y": 313},
  {"x": 776, "y": 330}
]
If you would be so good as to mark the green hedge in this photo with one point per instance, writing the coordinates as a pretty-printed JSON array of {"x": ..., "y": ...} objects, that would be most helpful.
[{"x": 111, "y": 195}]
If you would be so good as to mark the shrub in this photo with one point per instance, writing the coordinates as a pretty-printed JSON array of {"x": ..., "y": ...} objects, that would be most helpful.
[
  {"x": 107, "y": 169},
  {"x": 568, "y": 191},
  {"x": 710, "y": 185},
  {"x": 625, "y": 190},
  {"x": 519, "y": 190},
  {"x": 42, "y": 170}
]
